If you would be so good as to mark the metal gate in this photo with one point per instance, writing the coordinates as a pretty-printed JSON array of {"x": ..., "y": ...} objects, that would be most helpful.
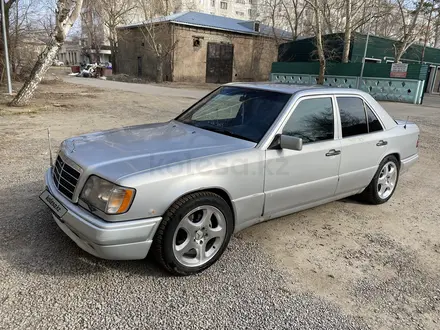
[{"x": 219, "y": 62}]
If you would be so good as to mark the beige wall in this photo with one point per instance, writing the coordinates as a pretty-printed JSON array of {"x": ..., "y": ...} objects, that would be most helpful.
[
  {"x": 134, "y": 43},
  {"x": 253, "y": 55}
]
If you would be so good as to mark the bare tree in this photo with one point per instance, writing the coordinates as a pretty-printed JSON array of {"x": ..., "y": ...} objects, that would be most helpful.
[
  {"x": 347, "y": 33},
  {"x": 317, "y": 29},
  {"x": 294, "y": 12},
  {"x": 154, "y": 31},
  {"x": 92, "y": 29},
  {"x": 115, "y": 13},
  {"x": 429, "y": 10},
  {"x": 358, "y": 14},
  {"x": 273, "y": 15},
  {"x": 66, "y": 14},
  {"x": 22, "y": 35},
  {"x": 111, "y": 13},
  {"x": 437, "y": 30},
  {"x": 331, "y": 12},
  {"x": 409, "y": 20}
]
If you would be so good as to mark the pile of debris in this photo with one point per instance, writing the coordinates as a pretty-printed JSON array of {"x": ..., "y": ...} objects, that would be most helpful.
[{"x": 92, "y": 70}]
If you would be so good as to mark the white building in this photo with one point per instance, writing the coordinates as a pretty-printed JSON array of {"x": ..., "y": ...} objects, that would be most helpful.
[
  {"x": 240, "y": 9},
  {"x": 70, "y": 52}
]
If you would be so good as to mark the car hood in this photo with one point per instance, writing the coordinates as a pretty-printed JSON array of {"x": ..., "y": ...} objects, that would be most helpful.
[{"x": 116, "y": 153}]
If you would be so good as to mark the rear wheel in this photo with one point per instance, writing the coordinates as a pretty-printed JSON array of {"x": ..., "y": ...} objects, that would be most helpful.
[
  {"x": 193, "y": 233},
  {"x": 384, "y": 182}
]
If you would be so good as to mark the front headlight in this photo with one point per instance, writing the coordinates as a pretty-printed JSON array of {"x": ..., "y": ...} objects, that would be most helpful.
[{"x": 107, "y": 196}]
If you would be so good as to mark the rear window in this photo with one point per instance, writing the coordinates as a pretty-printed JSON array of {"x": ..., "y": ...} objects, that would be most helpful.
[
  {"x": 352, "y": 113},
  {"x": 373, "y": 122}
]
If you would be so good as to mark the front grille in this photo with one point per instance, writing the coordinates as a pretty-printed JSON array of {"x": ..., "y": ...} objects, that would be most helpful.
[{"x": 65, "y": 177}]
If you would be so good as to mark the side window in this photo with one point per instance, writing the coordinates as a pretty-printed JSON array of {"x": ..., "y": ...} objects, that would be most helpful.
[
  {"x": 352, "y": 113},
  {"x": 312, "y": 120},
  {"x": 373, "y": 123}
]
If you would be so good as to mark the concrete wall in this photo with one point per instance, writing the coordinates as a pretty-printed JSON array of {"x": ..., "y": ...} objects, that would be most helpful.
[
  {"x": 134, "y": 43},
  {"x": 382, "y": 89},
  {"x": 253, "y": 55}
]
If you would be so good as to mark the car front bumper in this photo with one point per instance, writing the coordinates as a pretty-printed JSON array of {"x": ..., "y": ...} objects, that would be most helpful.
[{"x": 125, "y": 240}]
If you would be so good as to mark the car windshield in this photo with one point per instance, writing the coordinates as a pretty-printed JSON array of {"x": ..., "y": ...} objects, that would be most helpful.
[{"x": 236, "y": 111}]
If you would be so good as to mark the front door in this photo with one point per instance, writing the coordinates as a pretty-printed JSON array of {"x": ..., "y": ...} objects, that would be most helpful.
[
  {"x": 297, "y": 178},
  {"x": 219, "y": 63},
  {"x": 363, "y": 144}
]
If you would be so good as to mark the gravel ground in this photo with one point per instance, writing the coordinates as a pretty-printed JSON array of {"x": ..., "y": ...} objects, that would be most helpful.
[{"x": 340, "y": 266}]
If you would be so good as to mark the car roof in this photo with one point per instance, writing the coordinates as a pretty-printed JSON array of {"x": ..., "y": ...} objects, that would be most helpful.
[
  {"x": 311, "y": 90},
  {"x": 293, "y": 89}
]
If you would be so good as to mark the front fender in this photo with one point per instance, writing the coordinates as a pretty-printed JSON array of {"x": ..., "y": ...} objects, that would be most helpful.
[{"x": 240, "y": 178}]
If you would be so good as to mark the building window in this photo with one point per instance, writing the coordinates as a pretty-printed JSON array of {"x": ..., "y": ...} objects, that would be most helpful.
[
  {"x": 239, "y": 13},
  {"x": 197, "y": 42},
  {"x": 240, "y": 1},
  {"x": 251, "y": 2},
  {"x": 223, "y": 5},
  {"x": 213, "y": 3},
  {"x": 250, "y": 12}
]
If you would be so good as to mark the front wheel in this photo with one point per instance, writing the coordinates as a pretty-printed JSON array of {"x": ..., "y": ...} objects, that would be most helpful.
[
  {"x": 384, "y": 182},
  {"x": 193, "y": 233}
]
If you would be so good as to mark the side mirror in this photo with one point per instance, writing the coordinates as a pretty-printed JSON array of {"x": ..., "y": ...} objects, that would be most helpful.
[{"x": 291, "y": 142}]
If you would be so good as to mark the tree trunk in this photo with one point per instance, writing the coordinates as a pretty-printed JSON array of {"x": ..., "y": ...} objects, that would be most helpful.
[
  {"x": 347, "y": 35},
  {"x": 44, "y": 62},
  {"x": 322, "y": 61},
  {"x": 319, "y": 44},
  {"x": 159, "y": 70},
  {"x": 399, "y": 51},
  {"x": 113, "y": 56},
  {"x": 66, "y": 14}
]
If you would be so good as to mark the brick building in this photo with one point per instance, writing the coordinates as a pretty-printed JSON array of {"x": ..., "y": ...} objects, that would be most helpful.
[{"x": 199, "y": 47}]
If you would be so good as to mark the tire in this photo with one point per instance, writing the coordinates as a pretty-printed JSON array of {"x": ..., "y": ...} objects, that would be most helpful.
[
  {"x": 193, "y": 233},
  {"x": 384, "y": 183}
]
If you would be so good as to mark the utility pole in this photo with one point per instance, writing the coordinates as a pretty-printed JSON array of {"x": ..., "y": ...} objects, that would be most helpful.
[
  {"x": 5, "y": 43},
  {"x": 365, "y": 55}
]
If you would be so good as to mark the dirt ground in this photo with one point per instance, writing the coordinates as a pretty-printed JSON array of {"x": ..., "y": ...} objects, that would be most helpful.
[{"x": 379, "y": 264}]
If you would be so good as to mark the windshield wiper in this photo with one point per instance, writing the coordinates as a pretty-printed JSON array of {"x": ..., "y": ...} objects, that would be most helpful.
[{"x": 226, "y": 132}]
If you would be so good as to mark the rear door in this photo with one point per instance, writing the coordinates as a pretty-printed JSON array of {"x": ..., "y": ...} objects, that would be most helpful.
[{"x": 363, "y": 143}]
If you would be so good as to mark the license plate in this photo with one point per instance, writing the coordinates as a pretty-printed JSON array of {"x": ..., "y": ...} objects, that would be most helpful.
[{"x": 53, "y": 203}]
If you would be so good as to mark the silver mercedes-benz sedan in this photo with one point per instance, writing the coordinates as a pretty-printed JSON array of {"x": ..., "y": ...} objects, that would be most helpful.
[{"x": 244, "y": 154}]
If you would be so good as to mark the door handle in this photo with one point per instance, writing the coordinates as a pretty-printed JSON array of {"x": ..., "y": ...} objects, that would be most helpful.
[
  {"x": 333, "y": 152},
  {"x": 382, "y": 143}
]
